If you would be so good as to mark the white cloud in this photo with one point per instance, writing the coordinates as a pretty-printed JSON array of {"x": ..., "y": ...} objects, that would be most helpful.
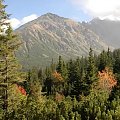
[
  {"x": 15, "y": 23},
  {"x": 29, "y": 18},
  {"x": 104, "y": 9}
]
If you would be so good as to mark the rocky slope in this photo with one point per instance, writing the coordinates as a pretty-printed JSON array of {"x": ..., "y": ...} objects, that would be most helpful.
[
  {"x": 108, "y": 30},
  {"x": 50, "y": 35}
]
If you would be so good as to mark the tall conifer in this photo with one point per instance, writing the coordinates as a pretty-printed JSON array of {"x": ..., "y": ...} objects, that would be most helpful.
[
  {"x": 9, "y": 68},
  {"x": 91, "y": 73}
]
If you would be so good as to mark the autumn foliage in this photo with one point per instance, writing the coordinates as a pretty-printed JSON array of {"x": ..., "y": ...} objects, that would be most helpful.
[
  {"x": 22, "y": 90},
  {"x": 106, "y": 79},
  {"x": 57, "y": 76}
]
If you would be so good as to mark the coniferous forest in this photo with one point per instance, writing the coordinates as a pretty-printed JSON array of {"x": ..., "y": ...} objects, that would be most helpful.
[{"x": 86, "y": 88}]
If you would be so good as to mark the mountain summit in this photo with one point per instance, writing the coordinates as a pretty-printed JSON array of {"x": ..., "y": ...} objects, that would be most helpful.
[
  {"x": 108, "y": 30},
  {"x": 50, "y": 35}
]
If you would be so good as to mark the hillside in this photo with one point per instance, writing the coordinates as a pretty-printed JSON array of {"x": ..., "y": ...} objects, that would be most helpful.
[
  {"x": 50, "y": 35},
  {"x": 108, "y": 30}
]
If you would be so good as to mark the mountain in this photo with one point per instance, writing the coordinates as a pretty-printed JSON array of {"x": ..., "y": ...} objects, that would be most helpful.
[
  {"x": 108, "y": 30},
  {"x": 50, "y": 35}
]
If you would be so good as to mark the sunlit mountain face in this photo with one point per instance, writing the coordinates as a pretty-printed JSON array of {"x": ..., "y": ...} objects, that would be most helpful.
[{"x": 50, "y": 35}]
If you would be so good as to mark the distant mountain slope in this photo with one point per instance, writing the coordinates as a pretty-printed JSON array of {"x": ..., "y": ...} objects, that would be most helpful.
[
  {"x": 108, "y": 30},
  {"x": 50, "y": 36}
]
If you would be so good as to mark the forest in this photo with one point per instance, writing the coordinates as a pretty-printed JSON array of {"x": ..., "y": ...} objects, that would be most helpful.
[{"x": 86, "y": 88}]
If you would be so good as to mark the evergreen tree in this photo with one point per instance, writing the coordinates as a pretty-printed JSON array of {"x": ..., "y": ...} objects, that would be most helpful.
[
  {"x": 105, "y": 60},
  {"x": 48, "y": 81},
  {"x": 76, "y": 81},
  {"x": 60, "y": 65},
  {"x": 9, "y": 68},
  {"x": 64, "y": 71},
  {"x": 109, "y": 59},
  {"x": 40, "y": 75},
  {"x": 34, "y": 98},
  {"x": 33, "y": 83},
  {"x": 70, "y": 76},
  {"x": 102, "y": 58},
  {"x": 82, "y": 83},
  {"x": 91, "y": 73},
  {"x": 116, "y": 66}
]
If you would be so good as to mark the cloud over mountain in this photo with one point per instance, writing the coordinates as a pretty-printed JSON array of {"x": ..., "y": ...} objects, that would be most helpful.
[
  {"x": 104, "y": 9},
  {"x": 15, "y": 23}
]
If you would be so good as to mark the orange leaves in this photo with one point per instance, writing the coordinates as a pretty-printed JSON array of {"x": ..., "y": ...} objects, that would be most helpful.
[
  {"x": 22, "y": 90},
  {"x": 106, "y": 79},
  {"x": 57, "y": 76}
]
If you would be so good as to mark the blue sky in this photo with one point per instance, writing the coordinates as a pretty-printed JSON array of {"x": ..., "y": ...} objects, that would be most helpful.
[
  {"x": 22, "y": 8},
  {"x": 80, "y": 10}
]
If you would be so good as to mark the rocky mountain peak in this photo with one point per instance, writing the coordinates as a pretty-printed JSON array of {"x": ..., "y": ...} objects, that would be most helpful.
[
  {"x": 50, "y": 35},
  {"x": 51, "y": 16}
]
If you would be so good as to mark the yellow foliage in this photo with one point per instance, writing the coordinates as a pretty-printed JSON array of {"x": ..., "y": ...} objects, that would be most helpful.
[{"x": 57, "y": 76}]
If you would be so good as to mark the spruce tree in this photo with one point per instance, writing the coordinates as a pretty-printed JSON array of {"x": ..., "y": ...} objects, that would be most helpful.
[
  {"x": 102, "y": 58},
  {"x": 109, "y": 59},
  {"x": 105, "y": 60},
  {"x": 70, "y": 76},
  {"x": 76, "y": 80},
  {"x": 9, "y": 68},
  {"x": 91, "y": 73},
  {"x": 116, "y": 66},
  {"x": 60, "y": 65}
]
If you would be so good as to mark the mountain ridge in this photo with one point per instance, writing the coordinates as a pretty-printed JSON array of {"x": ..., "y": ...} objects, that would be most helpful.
[
  {"x": 107, "y": 29},
  {"x": 50, "y": 35}
]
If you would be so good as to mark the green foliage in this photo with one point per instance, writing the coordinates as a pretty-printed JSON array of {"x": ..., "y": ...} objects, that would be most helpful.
[
  {"x": 91, "y": 72},
  {"x": 105, "y": 59},
  {"x": 10, "y": 74}
]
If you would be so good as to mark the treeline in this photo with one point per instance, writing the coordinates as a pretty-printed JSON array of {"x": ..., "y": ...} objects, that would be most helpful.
[
  {"x": 86, "y": 88},
  {"x": 79, "y": 76}
]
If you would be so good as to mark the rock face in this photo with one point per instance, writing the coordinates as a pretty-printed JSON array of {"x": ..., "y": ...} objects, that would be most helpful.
[
  {"x": 50, "y": 35},
  {"x": 108, "y": 30}
]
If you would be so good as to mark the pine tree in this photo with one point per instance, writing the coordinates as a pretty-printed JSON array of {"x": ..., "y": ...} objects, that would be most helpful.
[
  {"x": 9, "y": 68},
  {"x": 60, "y": 65},
  {"x": 76, "y": 81},
  {"x": 70, "y": 76},
  {"x": 105, "y": 60},
  {"x": 34, "y": 84},
  {"x": 48, "y": 81},
  {"x": 91, "y": 73},
  {"x": 109, "y": 59},
  {"x": 34, "y": 99},
  {"x": 102, "y": 58},
  {"x": 116, "y": 67},
  {"x": 64, "y": 71}
]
